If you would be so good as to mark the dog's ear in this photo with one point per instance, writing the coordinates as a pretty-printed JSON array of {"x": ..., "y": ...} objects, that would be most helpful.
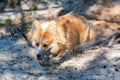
[{"x": 36, "y": 26}]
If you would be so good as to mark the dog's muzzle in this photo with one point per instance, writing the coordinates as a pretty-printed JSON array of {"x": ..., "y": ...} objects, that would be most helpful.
[{"x": 39, "y": 54}]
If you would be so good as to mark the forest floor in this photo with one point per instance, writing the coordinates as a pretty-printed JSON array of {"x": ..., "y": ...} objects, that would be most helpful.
[{"x": 18, "y": 62}]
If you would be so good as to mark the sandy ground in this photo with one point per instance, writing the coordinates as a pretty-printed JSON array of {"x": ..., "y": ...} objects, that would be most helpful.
[{"x": 17, "y": 62}]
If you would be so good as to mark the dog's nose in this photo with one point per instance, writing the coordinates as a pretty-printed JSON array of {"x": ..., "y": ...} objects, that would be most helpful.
[{"x": 39, "y": 57}]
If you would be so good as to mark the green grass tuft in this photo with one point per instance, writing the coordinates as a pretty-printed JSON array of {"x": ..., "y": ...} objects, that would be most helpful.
[
  {"x": 8, "y": 21},
  {"x": 2, "y": 24}
]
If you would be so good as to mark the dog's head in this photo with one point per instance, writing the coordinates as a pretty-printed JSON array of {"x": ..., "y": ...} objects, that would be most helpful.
[{"x": 47, "y": 41}]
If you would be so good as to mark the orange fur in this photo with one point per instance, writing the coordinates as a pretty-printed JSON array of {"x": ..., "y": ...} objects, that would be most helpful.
[{"x": 62, "y": 34}]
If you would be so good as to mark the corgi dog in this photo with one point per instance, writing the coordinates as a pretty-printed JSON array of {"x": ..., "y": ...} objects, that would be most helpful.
[{"x": 52, "y": 38}]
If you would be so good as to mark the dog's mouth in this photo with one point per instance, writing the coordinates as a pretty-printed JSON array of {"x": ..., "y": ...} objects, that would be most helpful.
[{"x": 39, "y": 58}]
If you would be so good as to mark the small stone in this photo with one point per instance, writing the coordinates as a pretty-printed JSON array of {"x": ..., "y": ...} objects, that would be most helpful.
[
  {"x": 116, "y": 69},
  {"x": 104, "y": 66}
]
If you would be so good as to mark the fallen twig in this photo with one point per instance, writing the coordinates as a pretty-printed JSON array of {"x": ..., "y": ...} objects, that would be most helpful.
[
  {"x": 114, "y": 37},
  {"x": 21, "y": 34}
]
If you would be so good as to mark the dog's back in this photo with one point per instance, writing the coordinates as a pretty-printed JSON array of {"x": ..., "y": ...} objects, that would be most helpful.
[{"x": 54, "y": 37}]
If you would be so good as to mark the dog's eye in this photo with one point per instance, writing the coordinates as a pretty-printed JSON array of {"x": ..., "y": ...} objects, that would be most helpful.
[
  {"x": 37, "y": 44},
  {"x": 45, "y": 45}
]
